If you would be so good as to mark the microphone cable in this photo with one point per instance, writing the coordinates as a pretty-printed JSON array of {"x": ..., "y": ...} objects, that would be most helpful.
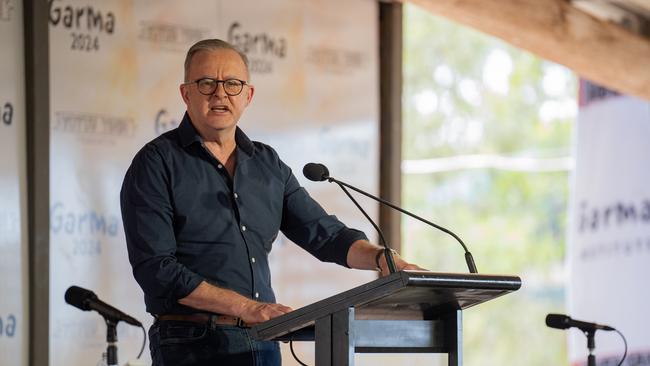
[
  {"x": 144, "y": 341},
  {"x": 295, "y": 357},
  {"x": 624, "y": 343}
]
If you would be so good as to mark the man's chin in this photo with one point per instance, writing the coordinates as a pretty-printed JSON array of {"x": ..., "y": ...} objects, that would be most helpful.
[
  {"x": 216, "y": 121},
  {"x": 221, "y": 125}
]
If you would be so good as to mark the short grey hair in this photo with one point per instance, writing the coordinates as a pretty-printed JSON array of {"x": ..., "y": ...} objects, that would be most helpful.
[{"x": 212, "y": 45}]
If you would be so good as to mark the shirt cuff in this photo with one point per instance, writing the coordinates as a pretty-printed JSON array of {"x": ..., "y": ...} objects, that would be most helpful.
[{"x": 336, "y": 250}]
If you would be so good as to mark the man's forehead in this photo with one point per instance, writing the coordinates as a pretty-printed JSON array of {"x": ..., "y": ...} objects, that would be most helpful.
[
  {"x": 222, "y": 55},
  {"x": 218, "y": 58}
]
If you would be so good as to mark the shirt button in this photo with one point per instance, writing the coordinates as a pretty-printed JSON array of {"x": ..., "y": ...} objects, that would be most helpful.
[
  {"x": 252, "y": 259},
  {"x": 243, "y": 228},
  {"x": 257, "y": 295},
  {"x": 220, "y": 166},
  {"x": 236, "y": 195}
]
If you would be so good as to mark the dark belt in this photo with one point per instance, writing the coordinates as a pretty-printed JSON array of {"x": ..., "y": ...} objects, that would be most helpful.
[{"x": 211, "y": 319}]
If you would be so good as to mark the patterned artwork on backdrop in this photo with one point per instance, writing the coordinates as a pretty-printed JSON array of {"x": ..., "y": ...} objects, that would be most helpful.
[
  {"x": 116, "y": 66},
  {"x": 13, "y": 193},
  {"x": 609, "y": 234}
]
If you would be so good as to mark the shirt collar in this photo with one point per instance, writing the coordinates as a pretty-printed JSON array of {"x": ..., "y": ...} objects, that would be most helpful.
[
  {"x": 188, "y": 135},
  {"x": 187, "y": 132}
]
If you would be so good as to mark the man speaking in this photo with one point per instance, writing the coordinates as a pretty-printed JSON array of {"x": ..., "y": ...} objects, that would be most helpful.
[{"x": 202, "y": 205}]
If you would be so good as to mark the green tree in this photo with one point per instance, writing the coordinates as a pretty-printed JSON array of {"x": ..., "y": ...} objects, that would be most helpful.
[{"x": 501, "y": 113}]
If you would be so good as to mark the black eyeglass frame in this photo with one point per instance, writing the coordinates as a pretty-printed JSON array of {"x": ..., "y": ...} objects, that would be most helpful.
[{"x": 217, "y": 82}]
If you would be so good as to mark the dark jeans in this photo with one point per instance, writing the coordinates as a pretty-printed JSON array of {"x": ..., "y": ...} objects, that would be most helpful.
[{"x": 181, "y": 343}]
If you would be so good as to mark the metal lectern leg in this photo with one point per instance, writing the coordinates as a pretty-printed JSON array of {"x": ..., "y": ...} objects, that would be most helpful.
[
  {"x": 323, "y": 341},
  {"x": 454, "y": 336},
  {"x": 334, "y": 343}
]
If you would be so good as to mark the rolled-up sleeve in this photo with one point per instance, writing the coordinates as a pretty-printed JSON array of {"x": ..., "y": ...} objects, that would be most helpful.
[{"x": 147, "y": 214}]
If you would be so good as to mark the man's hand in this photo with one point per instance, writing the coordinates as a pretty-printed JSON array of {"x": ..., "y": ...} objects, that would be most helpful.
[
  {"x": 254, "y": 312},
  {"x": 363, "y": 255},
  {"x": 400, "y": 264}
]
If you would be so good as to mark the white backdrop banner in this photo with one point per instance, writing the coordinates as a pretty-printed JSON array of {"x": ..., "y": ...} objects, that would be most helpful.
[
  {"x": 609, "y": 232},
  {"x": 13, "y": 194},
  {"x": 115, "y": 70}
]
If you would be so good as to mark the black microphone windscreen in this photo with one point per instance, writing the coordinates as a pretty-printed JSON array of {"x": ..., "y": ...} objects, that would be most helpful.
[
  {"x": 315, "y": 172},
  {"x": 78, "y": 297},
  {"x": 558, "y": 321}
]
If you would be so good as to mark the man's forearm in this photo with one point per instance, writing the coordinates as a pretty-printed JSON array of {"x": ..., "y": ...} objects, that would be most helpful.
[
  {"x": 215, "y": 300},
  {"x": 362, "y": 255},
  {"x": 218, "y": 300}
]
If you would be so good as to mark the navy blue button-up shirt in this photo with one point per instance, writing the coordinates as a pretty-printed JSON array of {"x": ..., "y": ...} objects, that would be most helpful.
[{"x": 186, "y": 220}]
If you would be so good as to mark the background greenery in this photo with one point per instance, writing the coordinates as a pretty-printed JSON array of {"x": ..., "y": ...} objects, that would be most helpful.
[{"x": 467, "y": 93}]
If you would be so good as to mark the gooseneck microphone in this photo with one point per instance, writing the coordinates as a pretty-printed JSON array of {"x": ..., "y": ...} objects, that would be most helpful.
[
  {"x": 318, "y": 172},
  {"x": 561, "y": 321},
  {"x": 86, "y": 300}
]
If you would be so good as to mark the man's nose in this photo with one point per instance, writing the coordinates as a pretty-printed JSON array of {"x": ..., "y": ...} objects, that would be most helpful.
[{"x": 220, "y": 91}]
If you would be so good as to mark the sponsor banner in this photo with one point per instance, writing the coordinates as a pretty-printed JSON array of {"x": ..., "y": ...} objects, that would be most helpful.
[
  {"x": 116, "y": 67},
  {"x": 609, "y": 232},
  {"x": 13, "y": 194}
]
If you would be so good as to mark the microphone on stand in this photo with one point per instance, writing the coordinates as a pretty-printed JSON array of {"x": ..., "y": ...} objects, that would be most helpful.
[
  {"x": 87, "y": 300},
  {"x": 318, "y": 172},
  {"x": 561, "y": 321}
]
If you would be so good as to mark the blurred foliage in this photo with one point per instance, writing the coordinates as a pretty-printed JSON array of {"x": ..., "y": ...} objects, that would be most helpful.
[{"x": 468, "y": 93}]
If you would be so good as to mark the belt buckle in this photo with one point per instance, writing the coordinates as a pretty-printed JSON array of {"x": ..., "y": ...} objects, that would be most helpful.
[
  {"x": 214, "y": 320},
  {"x": 240, "y": 323}
]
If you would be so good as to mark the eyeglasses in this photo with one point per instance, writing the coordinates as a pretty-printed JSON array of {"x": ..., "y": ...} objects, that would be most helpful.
[{"x": 207, "y": 86}]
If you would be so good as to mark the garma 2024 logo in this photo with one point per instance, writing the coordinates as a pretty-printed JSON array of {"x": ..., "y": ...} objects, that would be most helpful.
[{"x": 85, "y": 23}]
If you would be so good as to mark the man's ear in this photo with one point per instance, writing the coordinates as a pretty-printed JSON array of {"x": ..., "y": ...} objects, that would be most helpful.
[
  {"x": 251, "y": 91},
  {"x": 185, "y": 91}
]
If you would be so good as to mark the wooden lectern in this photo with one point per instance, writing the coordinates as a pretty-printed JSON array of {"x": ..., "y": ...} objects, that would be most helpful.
[{"x": 406, "y": 312}]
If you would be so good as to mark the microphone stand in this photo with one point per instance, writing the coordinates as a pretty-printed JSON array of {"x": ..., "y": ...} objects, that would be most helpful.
[
  {"x": 111, "y": 339},
  {"x": 591, "y": 346},
  {"x": 388, "y": 254}
]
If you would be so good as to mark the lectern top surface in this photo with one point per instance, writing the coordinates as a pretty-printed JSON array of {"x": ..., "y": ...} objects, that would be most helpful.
[{"x": 402, "y": 295}]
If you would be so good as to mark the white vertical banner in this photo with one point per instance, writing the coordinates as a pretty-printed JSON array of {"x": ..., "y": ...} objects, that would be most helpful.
[
  {"x": 115, "y": 70},
  {"x": 93, "y": 69},
  {"x": 13, "y": 193},
  {"x": 609, "y": 232},
  {"x": 116, "y": 66}
]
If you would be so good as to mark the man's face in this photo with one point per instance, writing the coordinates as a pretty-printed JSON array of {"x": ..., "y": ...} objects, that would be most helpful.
[{"x": 218, "y": 112}]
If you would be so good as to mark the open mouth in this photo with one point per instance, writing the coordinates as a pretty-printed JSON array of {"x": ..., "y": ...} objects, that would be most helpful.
[{"x": 219, "y": 108}]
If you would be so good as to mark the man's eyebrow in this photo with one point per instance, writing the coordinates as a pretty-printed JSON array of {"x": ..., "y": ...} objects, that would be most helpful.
[{"x": 226, "y": 77}]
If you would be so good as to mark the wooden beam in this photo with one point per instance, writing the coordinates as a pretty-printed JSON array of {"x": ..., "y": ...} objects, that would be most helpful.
[
  {"x": 390, "y": 85},
  {"x": 37, "y": 113},
  {"x": 602, "y": 52}
]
